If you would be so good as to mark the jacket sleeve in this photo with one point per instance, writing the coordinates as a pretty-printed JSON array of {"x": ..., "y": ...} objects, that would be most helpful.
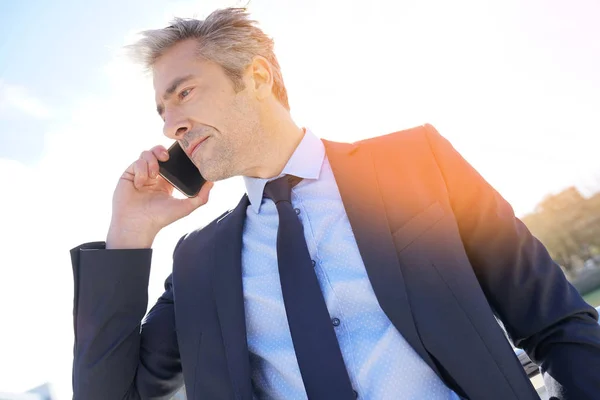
[
  {"x": 542, "y": 312},
  {"x": 116, "y": 356}
]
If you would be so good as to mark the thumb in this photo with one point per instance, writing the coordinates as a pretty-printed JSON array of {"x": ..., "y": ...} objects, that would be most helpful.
[{"x": 192, "y": 203}]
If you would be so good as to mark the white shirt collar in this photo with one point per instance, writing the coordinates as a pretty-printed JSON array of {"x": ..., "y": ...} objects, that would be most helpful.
[{"x": 305, "y": 163}]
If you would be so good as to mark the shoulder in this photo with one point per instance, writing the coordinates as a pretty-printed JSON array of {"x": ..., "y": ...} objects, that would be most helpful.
[
  {"x": 199, "y": 236},
  {"x": 407, "y": 140},
  {"x": 414, "y": 143},
  {"x": 415, "y": 136}
]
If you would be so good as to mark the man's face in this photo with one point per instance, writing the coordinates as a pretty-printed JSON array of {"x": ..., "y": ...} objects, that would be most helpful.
[{"x": 216, "y": 126}]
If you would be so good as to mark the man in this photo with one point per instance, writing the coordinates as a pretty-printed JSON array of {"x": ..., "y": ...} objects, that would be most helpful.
[{"x": 371, "y": 270}]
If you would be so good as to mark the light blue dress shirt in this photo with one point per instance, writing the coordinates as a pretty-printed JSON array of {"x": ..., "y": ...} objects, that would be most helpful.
[{"x": 381, "y": 364}]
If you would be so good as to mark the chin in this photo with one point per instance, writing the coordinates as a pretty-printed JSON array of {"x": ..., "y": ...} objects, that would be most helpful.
[
  {"x": 212, "y": 174},
  {"x": 212, "y": 167}
]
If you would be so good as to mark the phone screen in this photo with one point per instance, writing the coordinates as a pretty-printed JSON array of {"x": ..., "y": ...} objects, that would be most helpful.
[{"x": 181, "y": 172}]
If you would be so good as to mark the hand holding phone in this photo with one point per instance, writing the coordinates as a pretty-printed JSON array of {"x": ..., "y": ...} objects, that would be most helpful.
[
  {"x": 143, "y": 201},
  {"x": 181, "y": 172}
]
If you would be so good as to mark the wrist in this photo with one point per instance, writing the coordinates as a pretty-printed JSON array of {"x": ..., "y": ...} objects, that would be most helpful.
[{"x": 120, "y": 237}]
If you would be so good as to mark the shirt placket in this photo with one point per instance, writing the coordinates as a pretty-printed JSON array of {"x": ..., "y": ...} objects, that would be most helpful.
[{"x": 338, "y": 319}]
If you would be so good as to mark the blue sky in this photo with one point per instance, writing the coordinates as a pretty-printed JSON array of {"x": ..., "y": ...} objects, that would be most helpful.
[
  {"x": 55, "y": 49},
  {"x": 514, "y": 85}
]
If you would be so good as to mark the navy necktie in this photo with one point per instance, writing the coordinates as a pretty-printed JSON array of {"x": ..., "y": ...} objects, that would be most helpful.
[{"x": 315, "y": 343}]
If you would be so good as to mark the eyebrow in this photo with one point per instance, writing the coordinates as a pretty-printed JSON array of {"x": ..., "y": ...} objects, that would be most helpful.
[{"x": 172, "y": 89}]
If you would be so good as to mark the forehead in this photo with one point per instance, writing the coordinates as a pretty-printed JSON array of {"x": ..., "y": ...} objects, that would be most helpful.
[{"x": 179, "y": 60}]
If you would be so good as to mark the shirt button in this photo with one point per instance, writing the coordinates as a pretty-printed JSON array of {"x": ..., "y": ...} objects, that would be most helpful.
[
  {"x": 314, "y": 263},
  {"x": 335, "y": 321},
  {"x": 297, "y": 211}
]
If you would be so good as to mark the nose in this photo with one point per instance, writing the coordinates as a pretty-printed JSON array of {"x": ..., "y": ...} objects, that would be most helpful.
[{"x": 176, "y": 126}]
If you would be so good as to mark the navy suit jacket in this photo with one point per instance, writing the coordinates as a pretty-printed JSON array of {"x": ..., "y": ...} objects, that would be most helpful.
[{"x": 444, "y": 253}]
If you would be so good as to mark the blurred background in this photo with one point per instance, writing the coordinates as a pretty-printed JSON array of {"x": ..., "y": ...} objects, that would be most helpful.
[{"x": 514, "y": 85}]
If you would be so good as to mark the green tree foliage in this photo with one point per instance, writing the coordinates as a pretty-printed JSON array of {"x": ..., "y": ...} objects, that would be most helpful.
[{"x": 568, "y": 224}]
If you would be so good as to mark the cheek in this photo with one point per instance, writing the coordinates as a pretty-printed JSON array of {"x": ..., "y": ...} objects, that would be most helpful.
[
  {"x": 233, "y": 117},
  {"x": 244, "y": 114},
  {"x": 206, "y": 110},
  {"x": 199, "y": 111}
]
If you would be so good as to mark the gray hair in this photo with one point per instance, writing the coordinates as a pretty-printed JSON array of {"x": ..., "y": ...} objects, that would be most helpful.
[{"x": 227, "y": 37}]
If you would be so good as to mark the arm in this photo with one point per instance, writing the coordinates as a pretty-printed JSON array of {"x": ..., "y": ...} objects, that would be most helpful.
[
  {"x": 541, "y": 311},
  {"x": 115, "y": 355}
]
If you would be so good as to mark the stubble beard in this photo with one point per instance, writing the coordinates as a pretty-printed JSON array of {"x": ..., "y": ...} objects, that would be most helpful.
[{"x": 218, "y": 164}]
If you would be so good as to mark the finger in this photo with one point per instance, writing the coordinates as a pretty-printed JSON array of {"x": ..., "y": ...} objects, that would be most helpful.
[
  {"x": 152, "y": 162},
  {"x": 160, "y": 152},
  {"x": 140, "y": 168},
  {"x": 205, "y": 192},
  {"x": 164, "y": 185},
  {"x": 129, "y": 173}
]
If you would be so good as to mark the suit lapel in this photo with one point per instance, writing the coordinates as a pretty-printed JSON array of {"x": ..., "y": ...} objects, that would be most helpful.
[
  {"x": 357, "y": 182},
  {"x": 229, "y": 297}
]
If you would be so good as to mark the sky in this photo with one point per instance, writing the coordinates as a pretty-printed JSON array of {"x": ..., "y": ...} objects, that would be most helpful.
[{"x": 514, "y": 85}]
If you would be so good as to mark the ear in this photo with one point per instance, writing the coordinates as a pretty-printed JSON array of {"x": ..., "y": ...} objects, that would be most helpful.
[{"x": 261, "y": 77}]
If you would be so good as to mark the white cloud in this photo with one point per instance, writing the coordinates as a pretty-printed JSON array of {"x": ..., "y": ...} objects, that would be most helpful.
[{"x": 18, "y": 98}]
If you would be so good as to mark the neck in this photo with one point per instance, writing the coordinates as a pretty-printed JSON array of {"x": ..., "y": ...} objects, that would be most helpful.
[{"x": 280, "y": 138}]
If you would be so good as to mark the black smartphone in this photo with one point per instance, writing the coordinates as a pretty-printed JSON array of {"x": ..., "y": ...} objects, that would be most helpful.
[{"x": 181, "y": 172}]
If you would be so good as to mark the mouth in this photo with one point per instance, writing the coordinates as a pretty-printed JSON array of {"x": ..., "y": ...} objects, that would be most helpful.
[{"x": 195, "y": 146}]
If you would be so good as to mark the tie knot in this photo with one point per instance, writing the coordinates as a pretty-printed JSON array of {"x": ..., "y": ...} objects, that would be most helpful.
[{"x": 281, "y": 188}]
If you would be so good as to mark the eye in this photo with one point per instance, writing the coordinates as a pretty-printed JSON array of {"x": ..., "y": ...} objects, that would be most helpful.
[{"x": 184, "y": 93}]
